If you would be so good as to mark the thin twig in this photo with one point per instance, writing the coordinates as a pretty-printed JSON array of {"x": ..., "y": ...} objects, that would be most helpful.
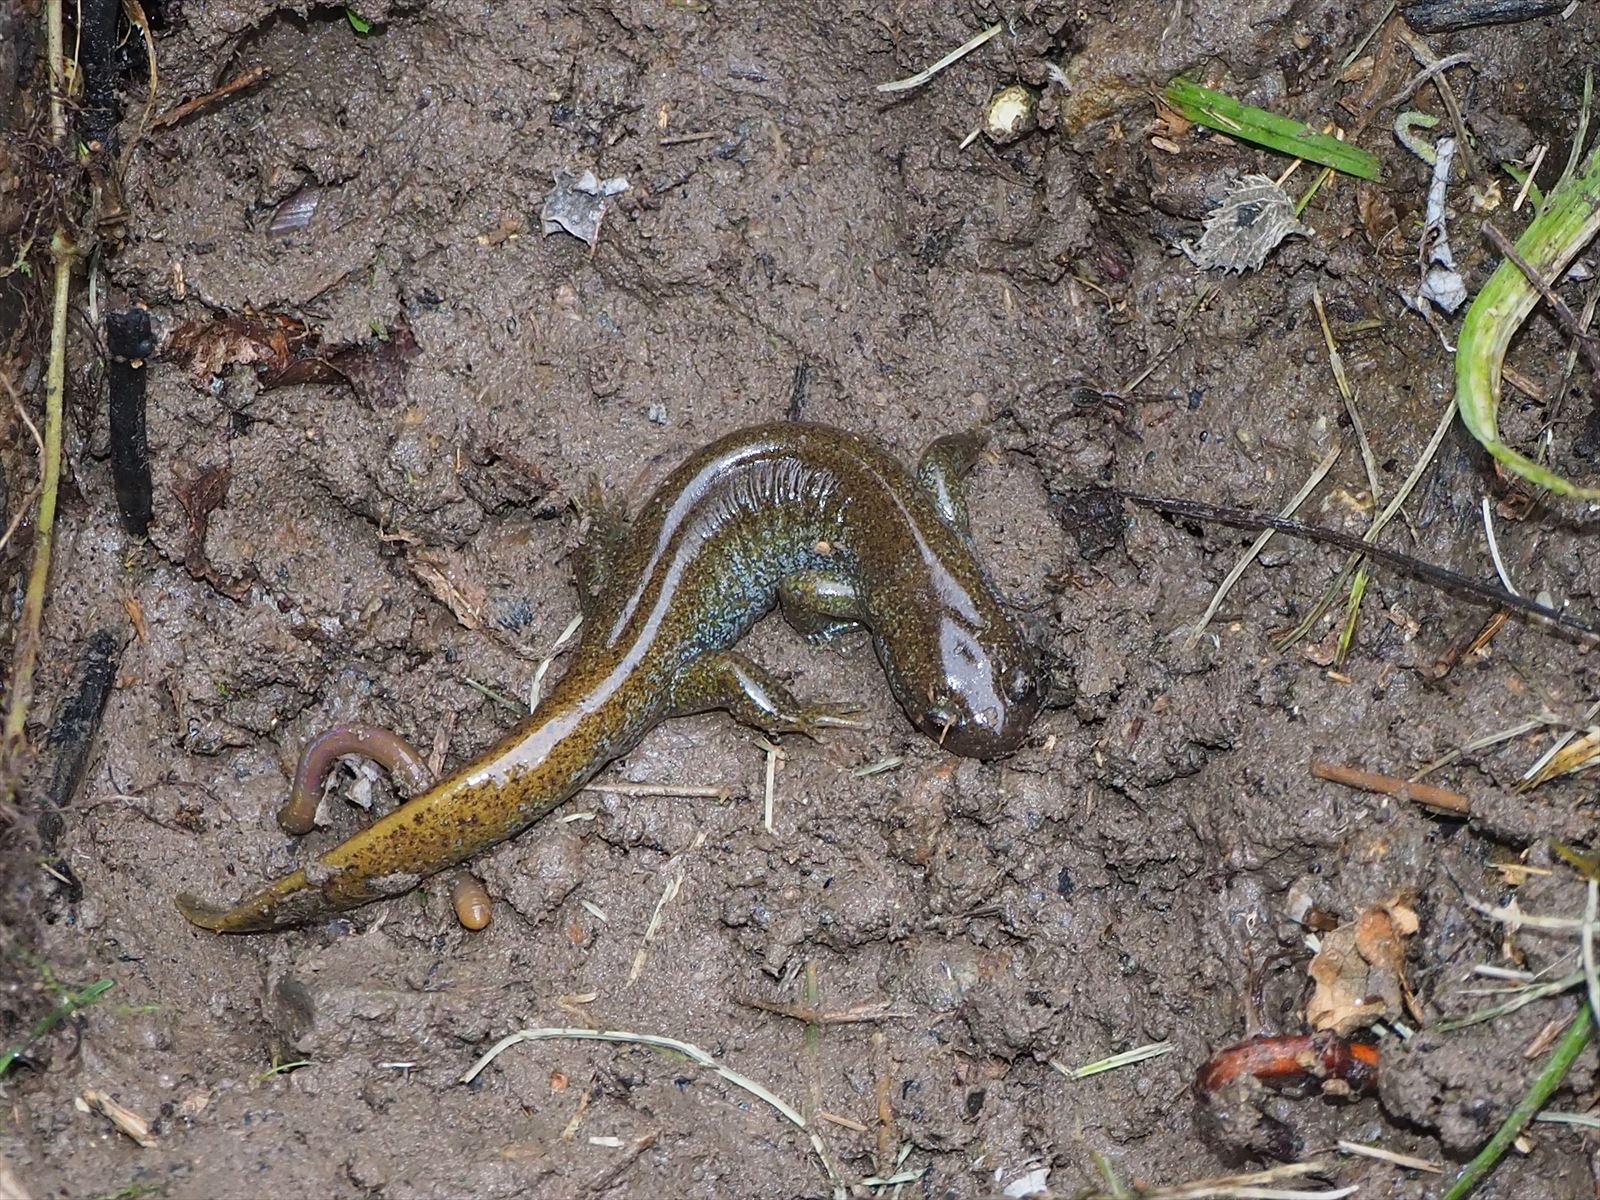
[
  {"x": 1358, "y": 587},
  {"x": 19, "y": 517},
  {"x": 1126, "y": 1058},
  {"x": 1446, "y": 420},
  {"x": 1573, "y": 756},
  {"x": 1427, "y": 73},
  {"x": 860, "y": 1014},
  {"x": 1527, "y": 180},
  {"x": 1426, "y": 794},
  {"x": 1389, "y": 1156},
  {"x": 1347, "y": 394},
  {"x": 1366, "y": 38},
  {"x": 55, "y": 49},
  {"x": 1318, "y": 474},
  {"x": 775, "y": 755},
  {"x": 668, "y": 894},
  {"x": 1494, "y": 548},
  {"x": 1585, "y": 1120},
  {"x": 1423, "y": 53},
  {"x": 955, "y": 56},
  {"x": 1178, "y": 339},
  {"x": 1254, "y": 1185},
  {"x": 25, "y": 652},
  {"x": 1538, "y": 773},
  {"x": 1521, "y": 998},
  {"x": 25, "y": 645},
  {"x": 1481, "y": 743},
  {"x": 237, "y": 84},
  {"x": 601, "y": 1184},
  {"x": 691, "y": 1052},
  {"x": 657, "y": 789},
  {"x": 1440, "y": 577},
  {"x": 683, "y": 139},
  {"x": 1591, "y": 980},
  {"x": 535, "y": 689},
  {"x": 1572, "y": 351}
]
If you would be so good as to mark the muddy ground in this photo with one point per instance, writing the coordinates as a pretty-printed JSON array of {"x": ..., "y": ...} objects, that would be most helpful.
[{"x": 1135, "y": 874}]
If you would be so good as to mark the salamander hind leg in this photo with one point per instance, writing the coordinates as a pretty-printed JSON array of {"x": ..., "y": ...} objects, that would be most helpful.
[
  {"x": 602, "y": 545},
  {"x": 821, "y": 605},
  {"x": 943, "y": 470},
  {"x": 728, "y": 680}
]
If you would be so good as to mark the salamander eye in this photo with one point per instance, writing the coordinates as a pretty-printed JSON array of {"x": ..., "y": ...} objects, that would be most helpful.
[{"x": 1020, "y": 684}]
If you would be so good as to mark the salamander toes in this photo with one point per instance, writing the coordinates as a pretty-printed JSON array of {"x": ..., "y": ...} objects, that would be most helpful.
[{"x": 814, "y": 718}]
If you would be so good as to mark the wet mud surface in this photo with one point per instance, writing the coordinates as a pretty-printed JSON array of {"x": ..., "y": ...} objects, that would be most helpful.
[{"x": 790, "y": 243}]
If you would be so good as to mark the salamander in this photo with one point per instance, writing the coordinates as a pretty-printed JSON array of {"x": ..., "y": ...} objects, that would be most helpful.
[{"x": 819, "y": 522}]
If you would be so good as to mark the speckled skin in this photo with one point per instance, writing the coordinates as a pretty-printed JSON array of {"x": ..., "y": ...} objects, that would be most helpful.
[{"x": 820, "y": 519}]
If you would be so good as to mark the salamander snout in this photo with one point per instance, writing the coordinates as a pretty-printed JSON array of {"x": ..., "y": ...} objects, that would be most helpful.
[{"x": 985, "y": 702}]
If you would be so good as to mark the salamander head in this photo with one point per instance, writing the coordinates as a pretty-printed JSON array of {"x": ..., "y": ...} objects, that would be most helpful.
[{"x": 974, "y": 690}]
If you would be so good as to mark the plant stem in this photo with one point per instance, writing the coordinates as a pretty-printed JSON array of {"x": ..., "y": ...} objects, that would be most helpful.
[
  {"x": 25, "y": 649},
  {"x": 55, "y": 48},
  {"x": 1544, "y": 1085}
]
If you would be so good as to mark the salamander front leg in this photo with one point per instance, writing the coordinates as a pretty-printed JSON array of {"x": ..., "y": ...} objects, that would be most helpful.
[
  {"x": 943, "y": 471},
  {"x": 755, "y": 697},
  {"x": 821, "y": 605}
]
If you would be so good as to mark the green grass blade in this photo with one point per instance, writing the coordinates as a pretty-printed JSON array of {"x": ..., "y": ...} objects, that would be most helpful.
[
  {"x": 1567, "y": 223},
  {"x": 69, "y": 1004},
  {"x": 1220, "y": 111},
  {"x": 1544, "y": 1086}
]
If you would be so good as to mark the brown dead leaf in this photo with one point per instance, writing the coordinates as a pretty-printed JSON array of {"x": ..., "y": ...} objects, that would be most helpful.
[
  {"x": 1323, "y": 653},
  {"x": 376, "y": 369},
  {"x": 500, "y": 478},
  {"x": 1375, "y": 207},
  {"x": 287, "y": 351},
  {"x": 1360, "y": 970},
  {"x": 199, "y": 495},
  {"x": 269, "y": 343},
  {"x": 136, "y": 615},
  {"x": 509, "y": 226},
  {"x": 195, "y": 1103},
  {"x": 1170, "y": 123},
  {"x": 1359, "y": 71},
  {"x": 450, "y": 577}
]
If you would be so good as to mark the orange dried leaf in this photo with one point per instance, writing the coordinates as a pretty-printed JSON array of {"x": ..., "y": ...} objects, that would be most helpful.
[{"x": 1360, "y": 970}]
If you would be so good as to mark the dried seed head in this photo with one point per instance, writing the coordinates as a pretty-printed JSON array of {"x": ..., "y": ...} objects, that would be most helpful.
[{"x": 1009, "y": 115}]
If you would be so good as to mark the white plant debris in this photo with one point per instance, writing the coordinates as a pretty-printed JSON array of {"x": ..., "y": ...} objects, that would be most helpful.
[
  {"x": 577, "y": 204},
  {"x": 1441, "y": 284},
  {"x": 1034, "y": 1181},
  {"x": 1252, "y": 219}
]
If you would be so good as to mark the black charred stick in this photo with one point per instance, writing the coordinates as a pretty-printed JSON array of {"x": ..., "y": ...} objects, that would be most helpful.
[
  {"x": 130, "y": 344},
  {"x": 97, "y": 50},
  {"x": 1443, "y": 16},
  {"x": 72, "y": 737}
]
